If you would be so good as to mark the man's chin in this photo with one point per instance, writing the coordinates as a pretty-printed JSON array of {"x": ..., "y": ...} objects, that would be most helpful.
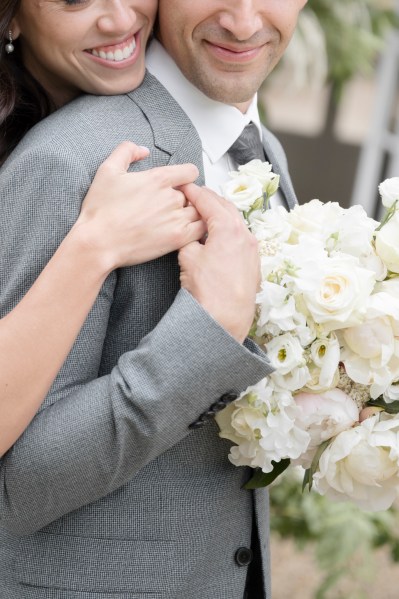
[{"x": 233, "y": 93}]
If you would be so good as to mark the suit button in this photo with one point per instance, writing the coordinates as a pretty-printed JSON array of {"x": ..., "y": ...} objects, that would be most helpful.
[{"x": 243, "y": 556}]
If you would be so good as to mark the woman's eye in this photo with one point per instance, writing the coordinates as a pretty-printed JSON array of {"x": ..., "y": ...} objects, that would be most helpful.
[{"x": 74, "y": 2}]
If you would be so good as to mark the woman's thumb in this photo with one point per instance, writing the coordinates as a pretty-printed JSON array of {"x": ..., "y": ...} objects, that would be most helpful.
[{"x": 124, "y": 154}]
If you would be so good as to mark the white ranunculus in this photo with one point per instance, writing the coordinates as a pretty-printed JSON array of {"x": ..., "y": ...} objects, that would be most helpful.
[
  {"x": 243, "y": 191},
  {"x": 387, "y": 243},
  {"x": 287, "y": 356},
  {"x": 262, "y": 171},
  {"x": 361, "y": 465},
  {"x": 270, "y": 224},
  {"x": 352, "y": 232},
  {"x": 389, "y": 191},
  {"x": 314, "y": 219},
  {"x": 324, "y": 361},
  {"x": 337, "y": 291},
  {"x": 261, "y": 422},
  {"x": 324, "y": 415},
  {"x": 285, "y": 353}
]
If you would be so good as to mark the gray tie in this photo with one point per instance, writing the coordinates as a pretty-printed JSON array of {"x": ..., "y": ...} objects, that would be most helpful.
[{"x": 248, "y": 146}]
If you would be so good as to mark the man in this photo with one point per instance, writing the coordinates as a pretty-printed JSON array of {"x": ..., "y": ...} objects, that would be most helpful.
[{"x": 121, "y": 488}]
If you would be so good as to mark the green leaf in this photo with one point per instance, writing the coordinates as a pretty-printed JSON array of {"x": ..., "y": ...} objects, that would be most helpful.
[
  {"x": 308, "y": 478},
  {"x": 261, "y": 479},
  {"x": 389, "y": 408}
]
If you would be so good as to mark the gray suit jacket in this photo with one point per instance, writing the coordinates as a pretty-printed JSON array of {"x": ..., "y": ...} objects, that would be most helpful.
[{"x": 108, "y": 494}]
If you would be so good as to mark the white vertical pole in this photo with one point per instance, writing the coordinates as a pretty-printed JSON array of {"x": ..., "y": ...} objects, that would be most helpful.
[{"x": 379, "y": 157}]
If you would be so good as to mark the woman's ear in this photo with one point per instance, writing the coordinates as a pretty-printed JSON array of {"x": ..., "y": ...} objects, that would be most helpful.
[{"x": 14, "y": 28}]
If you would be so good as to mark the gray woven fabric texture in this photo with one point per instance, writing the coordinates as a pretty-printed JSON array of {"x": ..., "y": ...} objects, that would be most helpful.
[{"x": 108, "y": 494}]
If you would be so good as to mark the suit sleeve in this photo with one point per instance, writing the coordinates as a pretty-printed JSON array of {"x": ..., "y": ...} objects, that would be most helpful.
[{"x": 94, "y": 433}]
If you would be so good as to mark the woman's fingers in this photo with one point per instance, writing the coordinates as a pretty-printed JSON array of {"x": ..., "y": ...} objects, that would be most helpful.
[
  {"x": 124, "y": 154},
  {"x": 196, "y": 231},
  {"x": 174, "y": 175}
]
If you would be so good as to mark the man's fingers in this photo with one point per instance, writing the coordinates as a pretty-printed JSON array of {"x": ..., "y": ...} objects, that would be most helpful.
[
  {"x": 206, "y": 202},
  {"x": 123, "y": 155},
  {"x": 188, "y": 253}
]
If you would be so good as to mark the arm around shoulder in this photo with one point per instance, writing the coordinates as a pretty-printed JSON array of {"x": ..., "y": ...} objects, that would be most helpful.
[{"x": 96, "y": 438}]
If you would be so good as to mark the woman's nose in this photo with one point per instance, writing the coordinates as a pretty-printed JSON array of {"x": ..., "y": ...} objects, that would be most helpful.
[{"x": 118, "y": 17}]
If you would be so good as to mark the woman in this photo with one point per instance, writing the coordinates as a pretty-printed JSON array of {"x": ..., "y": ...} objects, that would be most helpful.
[{"x": 126, "y": 218}]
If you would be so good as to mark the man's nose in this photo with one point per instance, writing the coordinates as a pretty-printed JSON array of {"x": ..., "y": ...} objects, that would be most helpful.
[{"x": 242, "y": 18}]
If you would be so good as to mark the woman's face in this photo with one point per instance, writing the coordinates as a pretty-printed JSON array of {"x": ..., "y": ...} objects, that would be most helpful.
[{"x": 94, "y": 46}]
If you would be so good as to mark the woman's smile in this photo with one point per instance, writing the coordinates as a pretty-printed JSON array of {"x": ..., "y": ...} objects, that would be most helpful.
[
  {"x": 96, "y": 47},
  {"x": 117, "y": 55}
]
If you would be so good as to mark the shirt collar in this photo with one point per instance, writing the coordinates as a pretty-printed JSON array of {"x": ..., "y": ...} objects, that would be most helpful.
[{"x": 218, "y": 124}]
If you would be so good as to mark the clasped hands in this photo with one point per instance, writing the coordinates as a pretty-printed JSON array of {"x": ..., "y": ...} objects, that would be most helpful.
[{"x": 132, "y": 217}]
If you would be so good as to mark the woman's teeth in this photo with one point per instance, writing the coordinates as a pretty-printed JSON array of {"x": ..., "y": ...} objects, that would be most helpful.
[{"x": 115, "y": 55}]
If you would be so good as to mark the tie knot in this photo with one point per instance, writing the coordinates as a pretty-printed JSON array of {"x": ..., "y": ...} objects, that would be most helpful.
[{"x": 248, "y": 146}]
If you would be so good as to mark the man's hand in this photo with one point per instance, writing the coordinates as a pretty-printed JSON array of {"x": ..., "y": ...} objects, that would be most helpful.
[{"x": 224, "y": 272}]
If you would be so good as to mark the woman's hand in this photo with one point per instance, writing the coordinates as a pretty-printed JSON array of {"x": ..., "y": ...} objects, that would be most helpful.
[{"x": 131, "y": 218}]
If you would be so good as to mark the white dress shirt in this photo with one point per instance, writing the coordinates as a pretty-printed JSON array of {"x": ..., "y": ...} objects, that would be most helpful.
[{"x": 218, "y": 125}]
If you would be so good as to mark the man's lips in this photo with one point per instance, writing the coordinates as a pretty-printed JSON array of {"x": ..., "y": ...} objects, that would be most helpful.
[
  {"x": 115, "y": 52},
  {"x": 234, "y": 53}
]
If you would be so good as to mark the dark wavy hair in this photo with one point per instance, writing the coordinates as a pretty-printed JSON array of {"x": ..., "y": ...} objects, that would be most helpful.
[{"x": 23, "y": 101}]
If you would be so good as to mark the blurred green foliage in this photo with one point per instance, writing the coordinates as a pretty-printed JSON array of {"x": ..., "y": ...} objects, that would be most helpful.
[
  {"x": 355, "y": 32},
  {"x": 341, "y": 534}
]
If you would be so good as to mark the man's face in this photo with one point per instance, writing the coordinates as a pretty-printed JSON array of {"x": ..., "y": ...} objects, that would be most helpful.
[{"x": 227, "y": 48}]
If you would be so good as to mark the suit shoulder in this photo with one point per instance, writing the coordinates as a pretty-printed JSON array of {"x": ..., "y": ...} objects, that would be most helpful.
[{"x": 87, "y": 129}]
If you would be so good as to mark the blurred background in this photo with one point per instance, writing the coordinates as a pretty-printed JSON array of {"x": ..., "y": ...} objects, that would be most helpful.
[
  {"x": 334, "y": 101},
  {"x": 334, "y": 104}
]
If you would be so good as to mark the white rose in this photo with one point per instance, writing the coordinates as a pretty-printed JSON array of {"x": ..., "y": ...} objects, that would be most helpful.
[
  {"x": 242, "y": 191},
  {"x": 389, "y": 191},
  {"x": 337, "y": 291},
  {"x": 361, "y": 465},
  {"x": 387, "y": 243}
]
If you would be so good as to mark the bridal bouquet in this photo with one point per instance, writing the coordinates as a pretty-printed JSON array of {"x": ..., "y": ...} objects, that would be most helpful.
[{"x": 328, "y": 317}]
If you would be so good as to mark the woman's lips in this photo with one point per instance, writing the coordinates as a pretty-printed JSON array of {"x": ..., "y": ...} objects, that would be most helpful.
[{"x": 116, "y": 52}]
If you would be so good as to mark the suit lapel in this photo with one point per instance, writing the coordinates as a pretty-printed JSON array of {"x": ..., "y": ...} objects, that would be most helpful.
[
  {"x": 173, "y": 131},
  {"x": 175, "y": 134},
  {"x": 286, "y": 187}
]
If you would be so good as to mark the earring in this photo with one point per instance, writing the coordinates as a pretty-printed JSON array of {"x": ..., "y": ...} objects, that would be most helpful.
[{"x": 10, "y": 46}]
